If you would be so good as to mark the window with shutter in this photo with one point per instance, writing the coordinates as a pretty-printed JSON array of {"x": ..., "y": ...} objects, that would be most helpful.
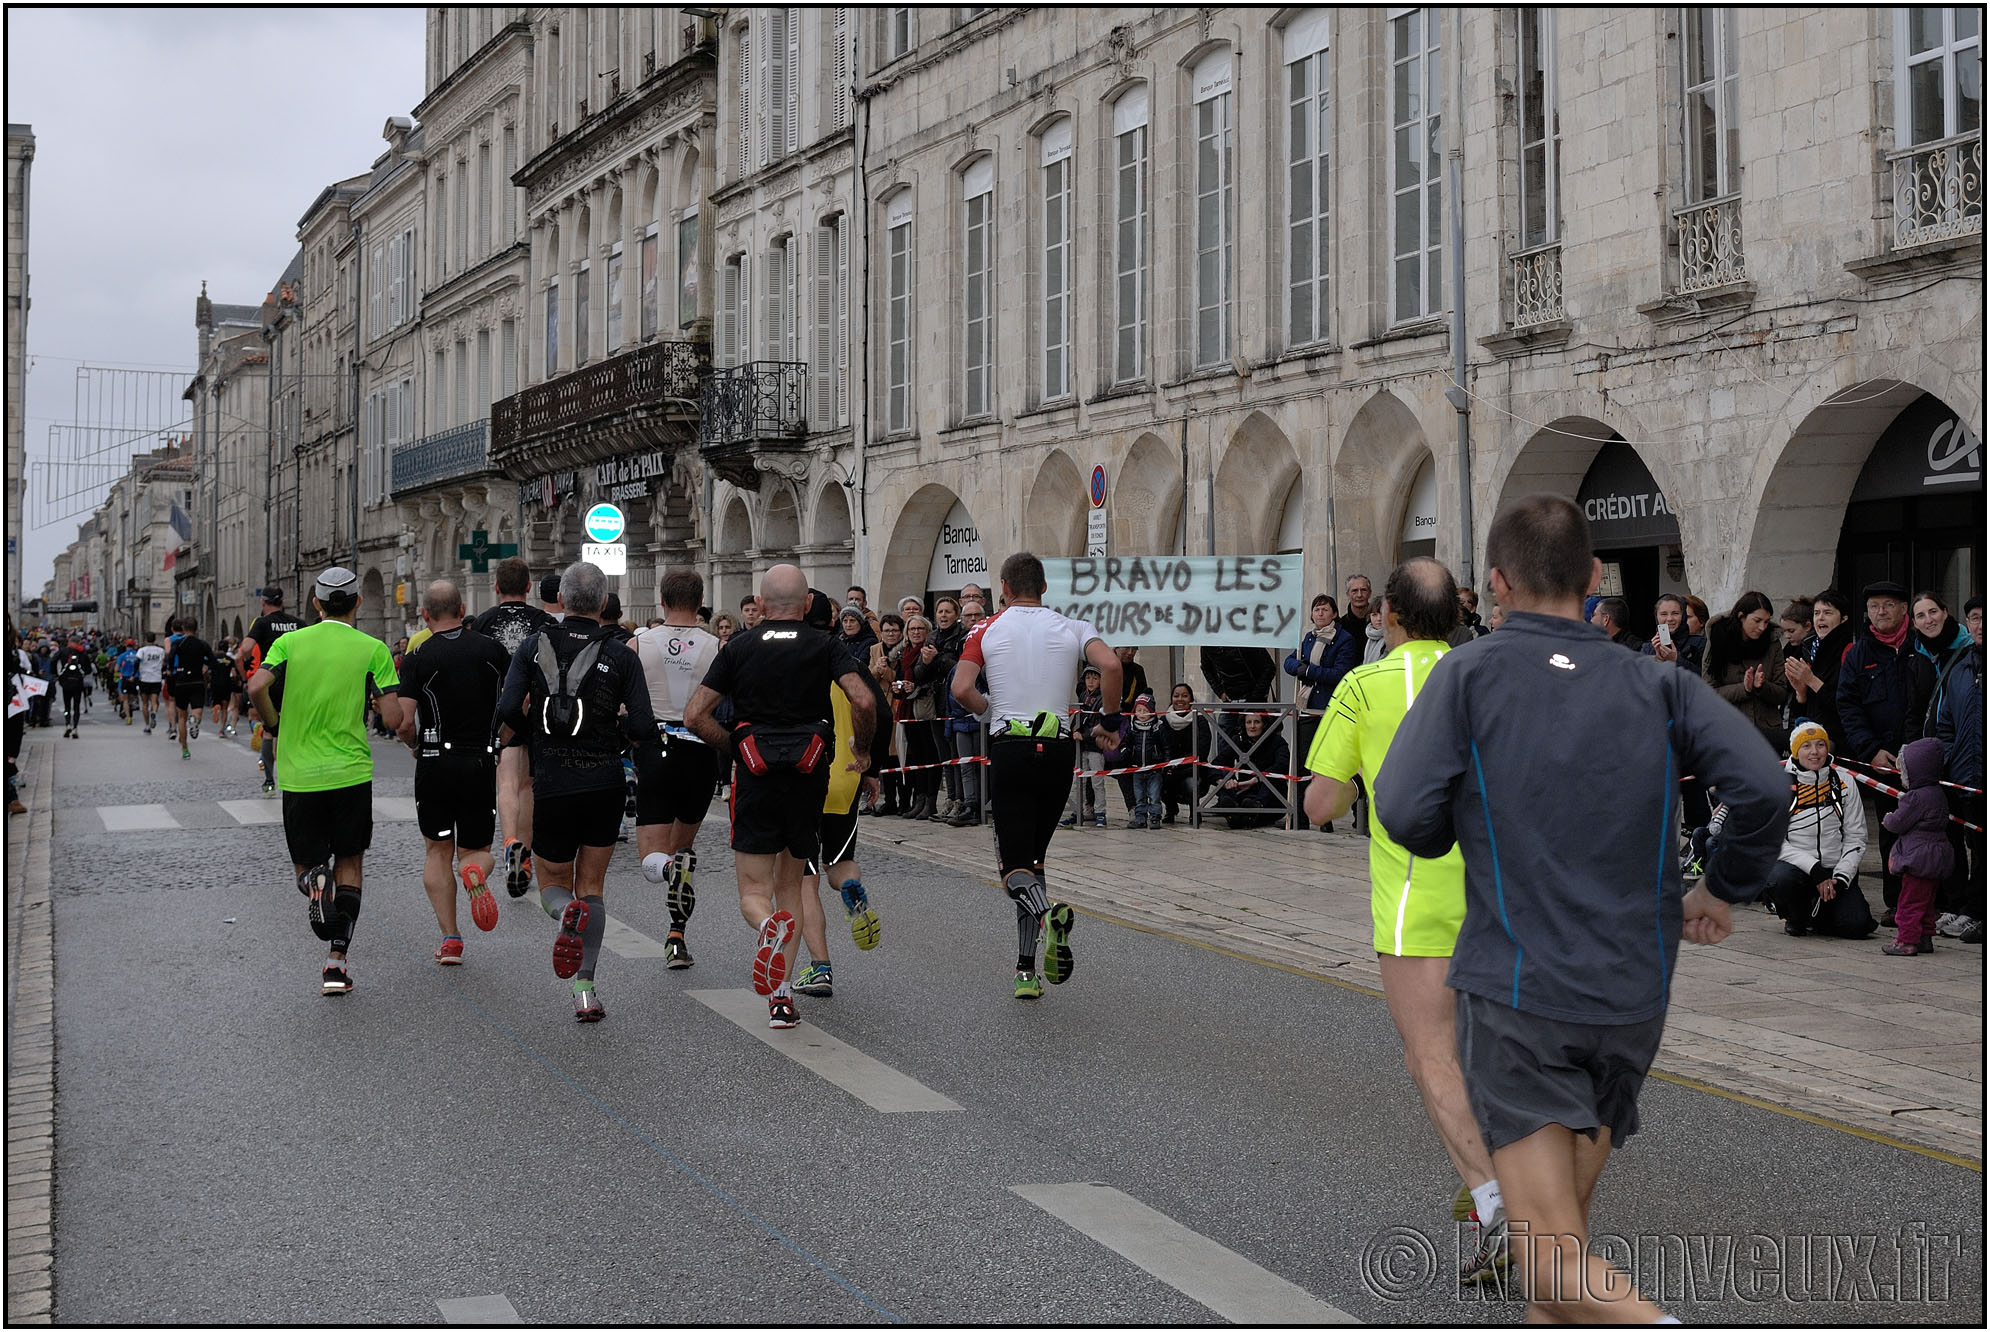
[
  {"x": 729, "y": 314},
  {"x": 842, "y": 303},
  {"x": 777, "y": 85},
  {"x": 483, "y": 400},
  {"x": 462, "y": 215},
  {"x": 745, "y": 78},
  {"x": 1129, "y": 124},
  {"x": 583, "y": 292},
  {"x": 507, "y": 358},
  {"x": 378, "y": 297},
  {"x": 441, "y": 232},
  {"x": 772, "y": 333},
  {"x": 614, "y": 300},
  {"x": 438, "y": 385},
  {"x": 823, "y": 369},
  {"x": 552, "y": 328},
  {"x": 1214, "y": 204},
  {"x": 408, "y": 263},
  {"x": 791, "y": 85},
  {"x": 483, "y": 199},
  {"x": 1056, "y": 148},
  {"x": 839, "y": 67},
  {"x": 1308, "y": 176},
  {"x": 898, "y": 312},
  {"x": 462, "y": 383},
  {"x": 648, "y": 277},
  {"x": 977, "y": 273},
  {"x": 510, "y": 190}
]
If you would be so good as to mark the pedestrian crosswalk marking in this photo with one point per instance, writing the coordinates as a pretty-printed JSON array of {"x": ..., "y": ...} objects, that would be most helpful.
[
  {"x": 135, "y": 818},
  {"x": 877, "y": 1085},
  {"x": 1228, "y": 1284},
  {"x": 252, "y": 812},
  {"x": 625, "y": 940},
  {"x": 480, "y": 1310},
  {"x": 394, "y": 809}
]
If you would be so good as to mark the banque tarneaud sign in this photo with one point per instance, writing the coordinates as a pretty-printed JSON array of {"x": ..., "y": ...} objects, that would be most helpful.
[{"x": 1176, "y": 600}]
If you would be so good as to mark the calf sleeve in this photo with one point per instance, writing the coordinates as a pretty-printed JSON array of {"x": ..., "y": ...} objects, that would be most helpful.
[
  {"x": 345, "y": 916},
  {"x": 1026, "y": 890},
  {"x": 590, "y": 937}
]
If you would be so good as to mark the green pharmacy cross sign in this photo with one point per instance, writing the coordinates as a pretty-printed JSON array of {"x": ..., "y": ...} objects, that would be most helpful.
[{"x": 480, "y": 551}]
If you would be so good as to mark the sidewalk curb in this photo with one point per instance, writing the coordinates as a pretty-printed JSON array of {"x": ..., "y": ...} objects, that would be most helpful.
[{"x": 31, "y": 1043}]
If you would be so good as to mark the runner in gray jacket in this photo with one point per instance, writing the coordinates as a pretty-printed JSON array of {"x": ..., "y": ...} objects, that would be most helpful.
[{"x": 1551, "y": 757}]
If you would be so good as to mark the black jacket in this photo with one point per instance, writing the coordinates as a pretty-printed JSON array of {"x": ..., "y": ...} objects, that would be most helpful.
[
  {"x": 1882, "y": 695},
  {"x": 1239, "y": 674}
]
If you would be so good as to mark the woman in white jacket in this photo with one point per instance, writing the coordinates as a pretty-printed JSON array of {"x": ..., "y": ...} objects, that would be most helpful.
[{"x": 1815, "y": 884}]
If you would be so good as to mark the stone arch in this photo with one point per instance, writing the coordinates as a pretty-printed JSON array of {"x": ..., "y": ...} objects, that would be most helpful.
[
  {"x": 688, "y": 190},
  {"x": 780, "y": 524},
  {"x": 1146, "y": 500},
  {"x": 1555, "y": 458},
  {"x": 1252, "y": 482},
  {"x": 1374, "y": 469},
  {"x": 830, "y": 539},
  {"x": 1054, "y": 518},
  {"x": 374, "y": 612},
  {"x": 909, "y": 556},
  {"x": 735, "y": 529}
]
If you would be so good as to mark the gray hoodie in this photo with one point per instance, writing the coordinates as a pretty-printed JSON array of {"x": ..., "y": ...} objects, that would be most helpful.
[{"x": 1552, "y": 758}]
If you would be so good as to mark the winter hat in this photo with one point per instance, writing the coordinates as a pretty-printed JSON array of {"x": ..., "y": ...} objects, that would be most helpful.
[
  {"x": 1804, "y": 732},
  {"x": 1148, "y": 699}
]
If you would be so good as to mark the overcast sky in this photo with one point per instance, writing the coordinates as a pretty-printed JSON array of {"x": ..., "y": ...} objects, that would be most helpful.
[{"x": 172, "y": 146}]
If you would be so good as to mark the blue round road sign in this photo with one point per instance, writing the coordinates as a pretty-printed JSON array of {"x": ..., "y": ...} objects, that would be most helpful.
[
  {"x": 1099, "y": 486},
  {"x": 603, "y": 523}
]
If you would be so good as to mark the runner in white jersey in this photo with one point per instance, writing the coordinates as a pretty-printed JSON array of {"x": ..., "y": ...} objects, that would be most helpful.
[
  {"x": 1031, "y": 656},
  {"x": 675, "y": 776},
  {"x": 151, "y": 678}
]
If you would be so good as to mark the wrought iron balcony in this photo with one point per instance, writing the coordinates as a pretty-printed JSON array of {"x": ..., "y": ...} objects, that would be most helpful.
[
  {"x": 1710, "y": 244},
  {"x": 1938, "y": 190},
  {"x": 598, "y": 411},
  {"x": 760, "y": 401},
  {"x": 1537, "y": 286},
  {"x": 448, "y": 455}
]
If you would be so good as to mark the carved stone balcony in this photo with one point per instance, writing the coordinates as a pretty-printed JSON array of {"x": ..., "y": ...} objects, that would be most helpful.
[
  {"x": 638, "y": 400},
  {"x": 1710, "y": 253},
  {"x": 449, "y": 455},
  {"x": 749, "y": 411},
  {"x": 1937, "y": 190}
]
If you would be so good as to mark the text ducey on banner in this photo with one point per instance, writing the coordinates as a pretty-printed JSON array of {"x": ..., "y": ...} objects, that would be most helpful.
[{"x": 1191, "y": 600}]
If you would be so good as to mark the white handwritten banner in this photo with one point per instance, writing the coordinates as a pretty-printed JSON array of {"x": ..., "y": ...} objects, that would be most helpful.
[{"x": 1173, "y": 600}]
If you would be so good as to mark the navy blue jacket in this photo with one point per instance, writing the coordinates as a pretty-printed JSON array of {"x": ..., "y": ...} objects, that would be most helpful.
[
  {"x": 1550, "y": 756},
  {"x": 1317, "y": 683},
  {"x": 1957, "y": 717},
  {"x": 1882, "y": 695}
]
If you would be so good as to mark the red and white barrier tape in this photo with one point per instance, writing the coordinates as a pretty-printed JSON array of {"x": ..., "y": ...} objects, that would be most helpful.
[
  {"x": 1854, "y": 763},
  {"x": 1897, "y": 793}
]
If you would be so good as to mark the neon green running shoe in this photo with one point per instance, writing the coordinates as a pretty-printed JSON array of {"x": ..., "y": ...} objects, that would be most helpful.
[
  {"x": 1028, "y": 986},
  {"x": 1057, "y": 962},
  {"x": 865, "y": 928}
]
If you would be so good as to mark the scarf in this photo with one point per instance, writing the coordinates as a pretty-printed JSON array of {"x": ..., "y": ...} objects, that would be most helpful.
[
  {"x": 1180, "y": 721},
  {"x": 1321, "y": 637},
  {"x": 1898, "y": 638}
]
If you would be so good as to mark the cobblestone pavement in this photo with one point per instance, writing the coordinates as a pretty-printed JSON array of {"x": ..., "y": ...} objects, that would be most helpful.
[
  {"x": 30, "y": 1046},
  {"x": 1826, "y": 1027}
]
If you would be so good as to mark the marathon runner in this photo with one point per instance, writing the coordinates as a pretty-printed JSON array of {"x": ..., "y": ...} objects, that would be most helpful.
[
  {"x": 838, "y": 832},
  {"x": 510, "y": 623},
  {"x": 1030, "y": 655},
  {"x": 151, "y": 678},
  {"x": 1548, "y": 755},
  {"x": 72, "y": 672},
  {"x": 1417, "y": 905},
  {"x": 676, "y": 772},
  {"x": 187, "y": 666},
  {"x": 450, "y": 688},
  {"x": 271, "y": 625},
  {"x": 127, "y": 681},
  {"x": 331, "y": 674},
  {"x": 563, "y": 690},
  {"x": 224, "y": 689},
  {"x": 779, "y": 677}
]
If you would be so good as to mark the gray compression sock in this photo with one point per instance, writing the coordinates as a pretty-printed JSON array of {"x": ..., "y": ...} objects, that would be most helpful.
[
  {"x": 555, "y": 900},
  {"x": 590, "y": 936},
  {"x": 1028, "y": 925}
]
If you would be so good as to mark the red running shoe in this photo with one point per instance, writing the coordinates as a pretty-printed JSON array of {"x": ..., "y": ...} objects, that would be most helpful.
[
  {"x": 567, "y": 948},
  {"x": 450, "y": 953},
  {"x": 770, "y": 964},
  {"x": 483, "y": 907}
]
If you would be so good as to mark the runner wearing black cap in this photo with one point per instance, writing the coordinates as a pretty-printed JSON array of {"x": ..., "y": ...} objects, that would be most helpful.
[
  {"x": 563, "y": 692},
  {"x": 451, "y": 686},
  {"x": 779, "y": 677},
  {"x": 187, "y": 668},
  {"x": 509, "y": 623},
  {"x": 331, "y": 674},
  {"x": 271, "y": 625}
]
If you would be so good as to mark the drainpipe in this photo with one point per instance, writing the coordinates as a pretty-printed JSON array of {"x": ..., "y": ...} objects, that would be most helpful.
[
  {"x": 358, "y": 326},
  {"x": 1456, "y": 394},
  {"x": 860, "y": 400}
]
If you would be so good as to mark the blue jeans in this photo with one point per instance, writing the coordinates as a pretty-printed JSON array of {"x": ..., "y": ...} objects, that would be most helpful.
[{"x": 1147, "y": 796}]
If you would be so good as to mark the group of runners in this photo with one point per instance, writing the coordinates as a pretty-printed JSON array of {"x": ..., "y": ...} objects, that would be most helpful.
[{"x": 1528, "y": 906}]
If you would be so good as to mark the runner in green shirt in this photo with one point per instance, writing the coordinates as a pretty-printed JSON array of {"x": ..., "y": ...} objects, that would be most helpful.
[
  {"x": 331, "y": 674},
  {"x": 1418, "y": 904}
]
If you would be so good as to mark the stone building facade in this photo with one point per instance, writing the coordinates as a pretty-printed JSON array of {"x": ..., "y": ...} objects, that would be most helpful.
[
  {"x": 1710, "y": 258},
  {"x": 228, "y": 406},
  {"x": 20, "y": 168},
  {"x": 313, "y": 350}
]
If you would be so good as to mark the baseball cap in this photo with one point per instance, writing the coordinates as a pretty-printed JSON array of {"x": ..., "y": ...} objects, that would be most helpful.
[
  {"x": 549, "y": 587},
  {"x": 273, "y": 595},
  {"x": 336, "y": 583}
]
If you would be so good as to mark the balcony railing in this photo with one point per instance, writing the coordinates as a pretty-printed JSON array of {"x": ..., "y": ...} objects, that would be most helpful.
[
  {"x": 1710, "y": 245},
  {"x": 1537, "y": 286},
  {"x": 1938, "y": 190},
  {"x": 660, "y": 376},
  {"x": 457, "y": 452},
  {"x": 760, "y": 400}
]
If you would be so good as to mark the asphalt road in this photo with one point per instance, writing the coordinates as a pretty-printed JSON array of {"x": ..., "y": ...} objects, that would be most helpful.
[{"x": 235, "y": 1148}]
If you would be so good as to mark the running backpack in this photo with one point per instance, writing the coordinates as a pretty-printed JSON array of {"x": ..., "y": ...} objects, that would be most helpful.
[{"x": 561, "y": 715}]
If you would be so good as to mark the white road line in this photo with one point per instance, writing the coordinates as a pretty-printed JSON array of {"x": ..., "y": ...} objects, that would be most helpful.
[
  {"x": 393, "y": 809},
  {"x": 625, "y": 940},
  {"x": 1228, "y": 1284},
  {"x": 135, "y": 818},
  {"x": 876, "y": 1085},
  {"x": 252, "y": 812},
  {"x": 479, "y": 1309}
]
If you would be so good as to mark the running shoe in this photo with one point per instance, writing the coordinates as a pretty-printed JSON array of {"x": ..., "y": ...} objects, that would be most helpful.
[
  {"x": 1491, "y": 1258},
  {"x": 337, "y": 979},
  {"x": 193, "y": 728},
  {"x": 317, "y": 885},
  {"x": 587, "y": 1006},
  {"x": 815, "y": 980},
  {"x": 1057, "y": 962},
  {"x": 865, "y": 928},
  {"x": 483, "y": 907},
  {"x": 1098, "y": 821},
  {"x": 675, "y": 955},
  {"x": 681, "y": 899},
  {"x": 450, "y": 952},
  {"x": 269, "y": 790},
  {"x": 770, "y": 964},
  {"x": 1971, "y": 930},
  {"x": 1462, "y": 1205},
  {"x": 1068, "y": 821},
  {"x": 568, "y": 947},
  {"x": 782, "y": 1014},
  {"x": 1028, "y": 986},
  {"x": 517, "y": 867},
  {"x": 185, "y": 753},
  {"x": 1946, "y": 925}
]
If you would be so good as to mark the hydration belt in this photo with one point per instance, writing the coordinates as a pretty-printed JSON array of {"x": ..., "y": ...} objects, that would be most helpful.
[{"x": 1043, "y": 726}]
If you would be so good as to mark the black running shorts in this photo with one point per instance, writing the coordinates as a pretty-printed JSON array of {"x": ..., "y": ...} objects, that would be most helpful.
[
  {"x": 1525, "y": 1072},
  {"x": 674, "y": 783},
  {"x": 321, "y": 824},
  {"x": 457, "y": 798},
  {"x": 778, "y": 812},
  {"x": 561, "y": 825},
  {"x": 839, "y": 841},
  {"x": 1030, "y": 783},
  {"x": 149, "y": 688}
]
